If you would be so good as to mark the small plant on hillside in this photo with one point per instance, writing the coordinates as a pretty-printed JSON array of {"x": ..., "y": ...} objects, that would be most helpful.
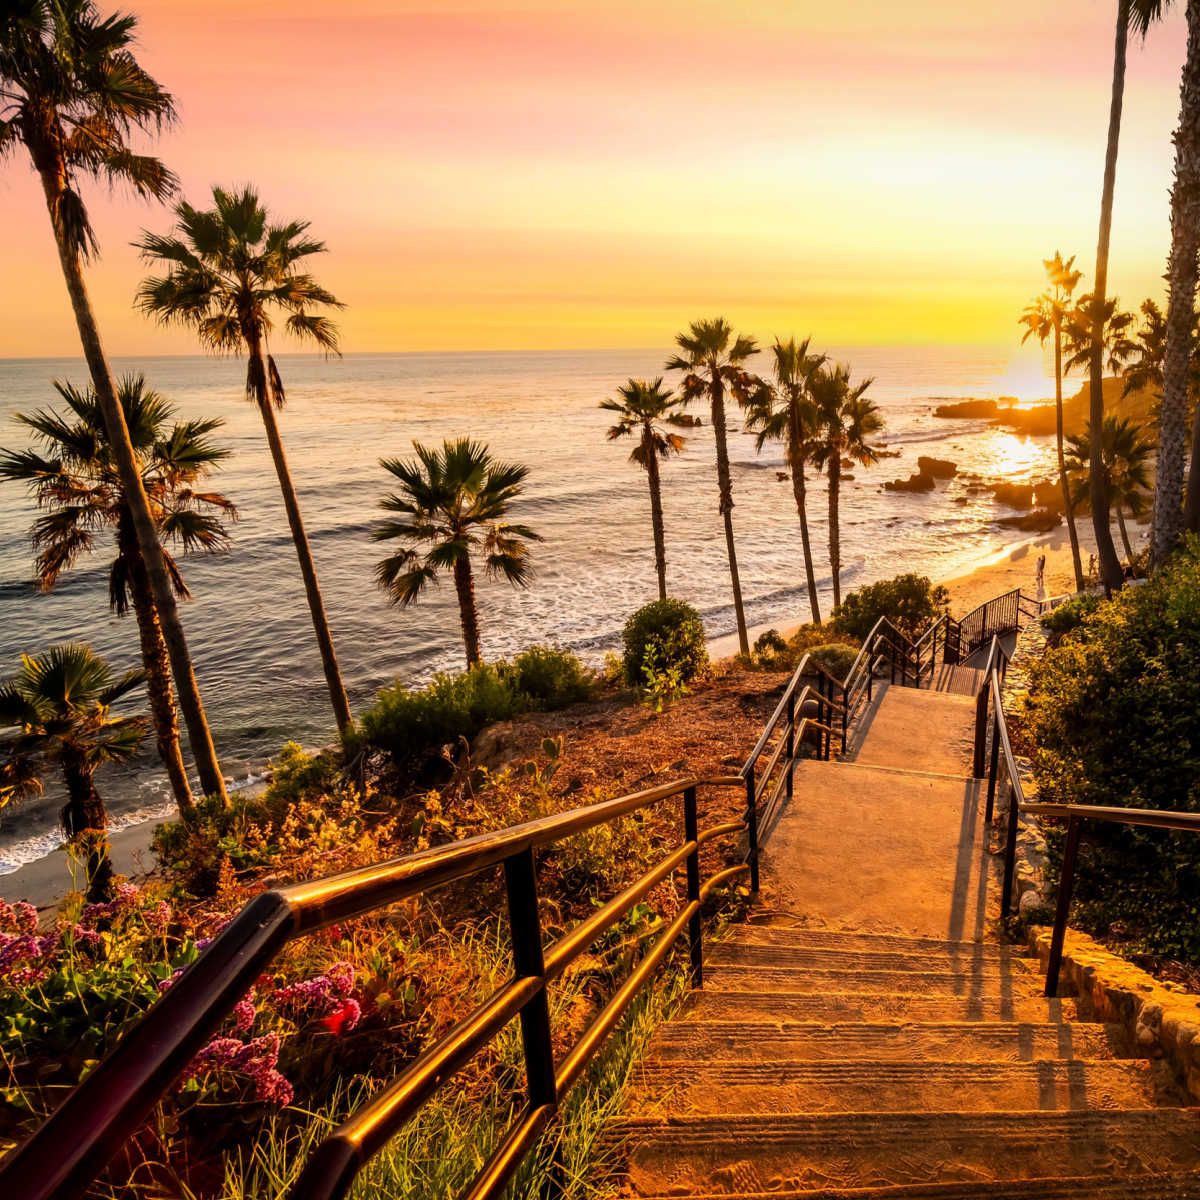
[
  {"x": 770, "y": 651},
  {"x": 552, "y": 678},
  {"x": 835, "y": 658},
  {"x": 668, "y": 633},
  {"x": 1070, "y": 614},
  {"x": 662, "y": 675},
  {"x": 910, "y": 601}
]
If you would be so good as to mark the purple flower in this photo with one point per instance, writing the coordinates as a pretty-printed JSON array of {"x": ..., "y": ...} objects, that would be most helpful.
[
  {"x": 244, "y": 1013},
  {"x": 158, "y": 917},
  {"x": 256, "y": 1059},
  {"x": 324, "y": 992},
  {"x": 20, "y": 917}
]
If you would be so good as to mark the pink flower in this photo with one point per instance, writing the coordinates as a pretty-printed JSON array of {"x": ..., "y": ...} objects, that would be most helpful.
[
  {"x": 158, "y": 917},
  {"x": 244, "y": 1013},
  {"x": 324, "y": 992},
  {"x": 257, "y": 1060}
]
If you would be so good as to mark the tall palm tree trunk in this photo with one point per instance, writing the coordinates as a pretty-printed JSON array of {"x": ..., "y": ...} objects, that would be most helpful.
[
  {"x": 308, "y": 570},
  {"x": 199, "y": 734},
  {"x": 725, "y": 487},
  {"x": 84, "y": 819},
  {"x": 157, "y": 664},
  {"x": 1169, "y": 517},
  {"x": 464, "y": 585},
  {"x": 1110, "y": 566},
  {"x": 799, "y": 491},
  {"x": 1124, "y": 532},
  {"x": 835, "y": 541},
  {"x": 1068, "y": 507},
  {"x": 656, "y": 513}
]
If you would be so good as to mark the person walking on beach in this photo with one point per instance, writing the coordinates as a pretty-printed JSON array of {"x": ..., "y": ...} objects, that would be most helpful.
[{"x": 1041, "y": 577}]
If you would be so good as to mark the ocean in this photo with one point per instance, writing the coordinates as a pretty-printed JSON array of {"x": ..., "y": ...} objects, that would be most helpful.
[{"x": 248, "y": 627}]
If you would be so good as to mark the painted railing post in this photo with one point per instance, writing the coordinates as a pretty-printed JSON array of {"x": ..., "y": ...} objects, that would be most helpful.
[
  {"x": 1010, "y": 852},
  {"x": 691, "y": 831},
  {"x": 1062, "y": 911},
  {"x": 752, "y": 829},
  {"x": 981, "y": 715},
  {"x": 525, "y": 928},
  {"x": 993, "y": 768}
]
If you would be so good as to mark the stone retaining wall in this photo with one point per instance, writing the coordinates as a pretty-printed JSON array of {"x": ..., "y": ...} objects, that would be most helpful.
[{"x": 1160, "y": 1019}]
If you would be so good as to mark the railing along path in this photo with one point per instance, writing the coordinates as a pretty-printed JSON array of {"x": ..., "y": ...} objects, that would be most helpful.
[{"x": 79, "y": 1138}]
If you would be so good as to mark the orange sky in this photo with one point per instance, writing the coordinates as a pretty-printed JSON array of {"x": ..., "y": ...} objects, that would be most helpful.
[{"x": 555, "y": 173}]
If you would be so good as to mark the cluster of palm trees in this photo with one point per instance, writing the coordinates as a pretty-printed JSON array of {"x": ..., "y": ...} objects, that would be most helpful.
[
  {"x": 811, "y": 406},
  {"x": 1128, "y": 348},
  {"x": 1174, "y": 512}
]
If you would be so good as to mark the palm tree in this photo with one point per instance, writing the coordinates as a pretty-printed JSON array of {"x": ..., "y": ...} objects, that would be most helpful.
[
  {"x": 74, "y": 480},
  {"x": 642, "y": 410},
  {"x": 1141, "y": 14},
  {"x": 1118, "y": 338},
  {"x": 785, "y": 412},
  {"x": 72, "y": 94},
  {"x": 58, "y": 704},
  {"x": 452, "y": 500},
  {"x": 713, "y": 360},
  {"x": 846, "y": 418},
  {"x": 227, "y": 269},
  {"x": 1180, "y": 340},
  {"x": 1044, "y": 319},
  {"x": 1126, "y": 470}
]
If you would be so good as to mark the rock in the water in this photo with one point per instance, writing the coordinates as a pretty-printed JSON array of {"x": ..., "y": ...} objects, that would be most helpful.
[
  {"x": 939, "y": 468},
  {"x": 915, "y": 483},
  {"x": 1015, "y": 495}
]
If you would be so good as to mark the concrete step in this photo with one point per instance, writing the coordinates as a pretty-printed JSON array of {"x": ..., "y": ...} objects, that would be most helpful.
[
  {"x": 716, "y": 1088},
  {"x": 787, "y": 1041},
  {"x": 1185, "y": 1186},
  {"x": 738, "y": 1154},
  {"x": 775, "y": 953},
  {"x": 757, "y": 1007},
  {"x": 756, "y": 975},
  {"x": 779, "y": 934}
]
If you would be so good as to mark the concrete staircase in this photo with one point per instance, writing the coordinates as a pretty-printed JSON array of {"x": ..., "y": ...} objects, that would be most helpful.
[{"x": 865, "y": 1038}]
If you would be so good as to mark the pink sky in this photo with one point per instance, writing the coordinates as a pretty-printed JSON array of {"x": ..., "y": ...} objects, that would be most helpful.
[{"x": 596, "y": 174}]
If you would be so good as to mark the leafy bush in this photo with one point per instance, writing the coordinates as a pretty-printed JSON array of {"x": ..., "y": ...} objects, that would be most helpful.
[
  {"x": 909, "y": 601},
  {"x": 836, "y": 658},
  {"x": 1112, "y": 713},
  {"x": 1070, "y": 614},
  {"x": 672, "y": 633},
  {"x": 770, "y": 651},
  {"x": 551, "y": 678},
  {"x": 413, "y": 725}
]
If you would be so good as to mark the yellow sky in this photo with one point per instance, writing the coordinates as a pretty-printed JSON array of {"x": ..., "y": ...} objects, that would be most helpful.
[{"x": 562, "y": 174}]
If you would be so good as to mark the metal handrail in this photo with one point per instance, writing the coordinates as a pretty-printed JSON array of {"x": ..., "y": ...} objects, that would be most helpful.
[
  {"x": 74, "y": 1144},
  {"x": 1073, "y": 814}
]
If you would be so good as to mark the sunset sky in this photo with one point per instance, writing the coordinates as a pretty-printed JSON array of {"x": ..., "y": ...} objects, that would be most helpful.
[{"x": 578, "y": 173}]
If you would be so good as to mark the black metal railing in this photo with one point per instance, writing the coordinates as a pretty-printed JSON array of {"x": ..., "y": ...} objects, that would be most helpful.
[
  {"x": 1000, "y": 615},
  {"x": 1075, "y": 815},
  {"x": 79, "y": 1138},
  {"x": 806, "y": 712}
]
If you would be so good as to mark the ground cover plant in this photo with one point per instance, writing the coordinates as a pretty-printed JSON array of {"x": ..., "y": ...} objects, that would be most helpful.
[{"x": 1111, "y": 712}]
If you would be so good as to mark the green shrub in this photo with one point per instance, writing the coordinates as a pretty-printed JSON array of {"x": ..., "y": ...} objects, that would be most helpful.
[
  {"x": 673, "y": 634},
  {"x": 909, "y": 601},
  {"x": 770, "y": 651},
  {"x": 1112, "y": 714},
  {"x": 1070, "y": 614},
  {"x": 414, "y": 725},
  {"x": 836, "y": 658},
  {"x": 552, "y": 678}
]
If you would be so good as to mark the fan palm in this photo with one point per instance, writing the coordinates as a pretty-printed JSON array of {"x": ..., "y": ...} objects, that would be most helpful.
[
  {"x": 846, "y": 418},
  {"x": 785, "y": 412},
  {"x": 451, "y": 500},
  {"x": 1141, "y": 14},
  {"x": 228, "y": 268},
  {"x": 58, "y": 706},
  {"x": 72, "y": 94},
  {"x": 713, "y": 362},
  {"x": 74, "y": 480},
  {"x": 1118, "y": 342},
  {"x": 1126, "y": 470},
  {"x": 642, "y": 411},
  {"x": 1045, "y": 319},
  {"x": 1180, "y": 336}
]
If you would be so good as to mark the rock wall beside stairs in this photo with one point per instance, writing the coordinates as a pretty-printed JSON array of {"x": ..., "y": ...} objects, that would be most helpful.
[{"x": 1159, "y": 1020}]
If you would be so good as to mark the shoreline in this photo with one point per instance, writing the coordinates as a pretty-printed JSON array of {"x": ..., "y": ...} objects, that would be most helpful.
[{"x": 45, "y": 881}]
